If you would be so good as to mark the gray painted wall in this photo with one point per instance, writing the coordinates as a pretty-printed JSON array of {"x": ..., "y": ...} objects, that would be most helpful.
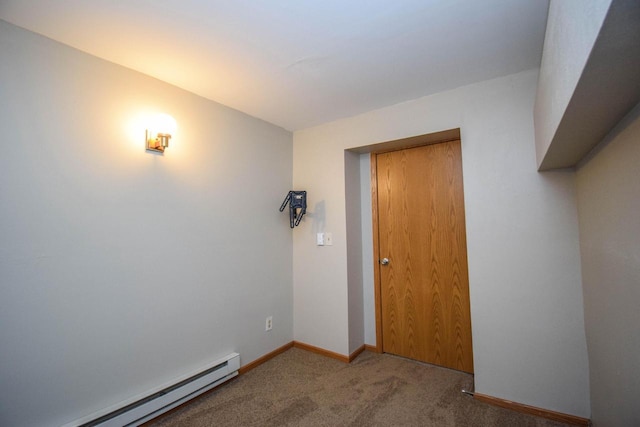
[
  {"x": 572, "y": 29},
  {"x": 353, "y": 206},
  {"x": 367, "y": 250},
  {"x": 609, "y": 207},
  {"x": 121, "y": 270}
]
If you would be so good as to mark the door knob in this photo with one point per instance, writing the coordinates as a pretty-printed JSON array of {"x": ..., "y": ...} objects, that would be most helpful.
[{"x": 384, "y": 261}]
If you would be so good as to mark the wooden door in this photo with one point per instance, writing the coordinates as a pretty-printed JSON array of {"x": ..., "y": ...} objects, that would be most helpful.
[{"x": 424, "y": 287}]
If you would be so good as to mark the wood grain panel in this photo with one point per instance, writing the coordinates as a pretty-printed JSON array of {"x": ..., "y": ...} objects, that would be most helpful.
[{"x": 424, "y": 291}]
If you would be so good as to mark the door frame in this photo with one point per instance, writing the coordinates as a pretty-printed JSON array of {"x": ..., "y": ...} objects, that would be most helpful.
[{"x": 417, "y": 141}]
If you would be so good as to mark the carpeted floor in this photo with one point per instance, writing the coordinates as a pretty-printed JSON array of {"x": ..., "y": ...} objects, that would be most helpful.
[{"x": 299, "y": 388}]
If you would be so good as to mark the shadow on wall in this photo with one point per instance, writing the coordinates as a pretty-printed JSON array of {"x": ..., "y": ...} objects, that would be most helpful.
[{"x": 318, "y": 216}]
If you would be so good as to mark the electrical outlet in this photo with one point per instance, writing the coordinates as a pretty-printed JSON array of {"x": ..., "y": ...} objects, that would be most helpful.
[{"x": 268, "y": 324}]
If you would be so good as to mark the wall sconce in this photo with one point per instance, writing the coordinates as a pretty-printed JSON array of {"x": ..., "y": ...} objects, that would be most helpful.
[
  {"x": 157, "y": 143},
  {"x": 158, "y": 136}
]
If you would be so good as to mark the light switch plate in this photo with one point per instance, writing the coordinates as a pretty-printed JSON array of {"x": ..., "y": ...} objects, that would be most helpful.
[
  {"x": 328, "y": 239},
  {"x": 320, "y": 239}
]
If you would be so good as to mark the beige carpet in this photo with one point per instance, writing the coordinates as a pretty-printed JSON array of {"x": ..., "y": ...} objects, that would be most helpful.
[{"x": 299, "y": 388}]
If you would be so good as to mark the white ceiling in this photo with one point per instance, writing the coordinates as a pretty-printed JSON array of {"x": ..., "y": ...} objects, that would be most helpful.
[{"x": 300, "y": 63}]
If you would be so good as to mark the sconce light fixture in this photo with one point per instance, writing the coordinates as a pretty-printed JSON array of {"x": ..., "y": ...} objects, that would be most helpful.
[
  {"x": 158, "y": 136},
  {"x": 157, "y": 143}
]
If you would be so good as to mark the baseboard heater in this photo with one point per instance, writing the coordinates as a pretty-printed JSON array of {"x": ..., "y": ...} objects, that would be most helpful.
[{"x": 142, "y": 408}]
